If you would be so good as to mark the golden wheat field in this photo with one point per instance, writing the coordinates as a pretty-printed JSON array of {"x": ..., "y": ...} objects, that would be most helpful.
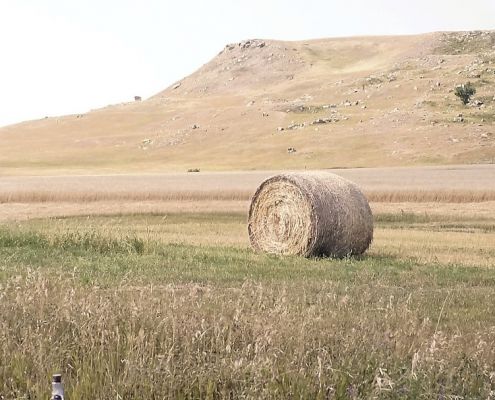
[{"x": 146, "y": 286}]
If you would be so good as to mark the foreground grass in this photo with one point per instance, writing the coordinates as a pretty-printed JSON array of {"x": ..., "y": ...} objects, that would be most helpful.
[{"x": 129, "y": 315}]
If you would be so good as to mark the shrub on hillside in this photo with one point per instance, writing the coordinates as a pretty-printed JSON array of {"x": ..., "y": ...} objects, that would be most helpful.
[{"x": 465, "y": 92}]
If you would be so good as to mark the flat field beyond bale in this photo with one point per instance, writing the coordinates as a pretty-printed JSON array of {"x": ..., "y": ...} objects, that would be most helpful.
[
  {"x": 472, "y": 187},
  {"x": 177, "y": 306},
  {"x": 237, "y": 184}
]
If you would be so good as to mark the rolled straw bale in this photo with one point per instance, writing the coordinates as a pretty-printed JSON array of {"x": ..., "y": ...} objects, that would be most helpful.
[{"x": 310, "y": 214}]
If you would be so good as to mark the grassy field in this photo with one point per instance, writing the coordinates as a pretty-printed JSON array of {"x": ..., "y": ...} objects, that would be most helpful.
[{"x": 176, "y": 305}]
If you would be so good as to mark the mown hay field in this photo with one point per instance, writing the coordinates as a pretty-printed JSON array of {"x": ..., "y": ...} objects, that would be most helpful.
[{"x": 158, "y": 301}]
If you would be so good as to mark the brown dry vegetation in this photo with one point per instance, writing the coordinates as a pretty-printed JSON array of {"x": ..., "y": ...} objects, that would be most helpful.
[
  {"x": 400, "y": 196},
  {"x": 454, "y": 184}
]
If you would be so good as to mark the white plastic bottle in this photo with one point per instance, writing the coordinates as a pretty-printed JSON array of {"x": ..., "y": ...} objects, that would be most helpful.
[{"x": 57, "y": 388}]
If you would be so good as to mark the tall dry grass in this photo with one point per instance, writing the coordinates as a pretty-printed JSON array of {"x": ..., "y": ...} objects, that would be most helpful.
[
  {"x": 381, "y": 196},
  {"x": 254, "y": 341},
  {"x": 431, "y": 196},
  {"x": 93, "y": 196}
]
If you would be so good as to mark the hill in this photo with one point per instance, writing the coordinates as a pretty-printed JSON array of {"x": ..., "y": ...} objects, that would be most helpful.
[{"x": 263, "y": 104}]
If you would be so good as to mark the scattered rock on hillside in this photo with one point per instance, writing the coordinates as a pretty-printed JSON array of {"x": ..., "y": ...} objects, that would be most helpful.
[
  {"x": 320, "y": 121},
  {"x": 145, "y": 143},
  {"x": 296, "y": 126},
  {"x": 304, "y": 109},
  {"x": 177, "y": 85},
  {"x": 476, "y": 103},
  {"x": 466, "y": 42},
  {"x": 373, "y": 80},
  {"x": 246, "y": 44}
]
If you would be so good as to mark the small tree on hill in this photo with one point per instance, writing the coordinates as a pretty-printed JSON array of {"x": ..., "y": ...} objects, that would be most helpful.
[{"x": 465, "y": 92}]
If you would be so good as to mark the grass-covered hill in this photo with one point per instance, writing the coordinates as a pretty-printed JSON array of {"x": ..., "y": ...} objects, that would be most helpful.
[{"x": 263, "y": 104}]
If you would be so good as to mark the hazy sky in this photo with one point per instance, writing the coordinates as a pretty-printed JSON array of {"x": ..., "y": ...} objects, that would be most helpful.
[{"x": 65, "y": 56}]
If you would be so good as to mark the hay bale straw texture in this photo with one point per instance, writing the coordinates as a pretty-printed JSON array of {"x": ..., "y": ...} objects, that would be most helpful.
[{"x": 311, "y": 214}]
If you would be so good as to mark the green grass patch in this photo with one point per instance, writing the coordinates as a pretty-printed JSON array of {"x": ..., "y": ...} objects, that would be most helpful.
[
  {"x": 71, "y": 241},
  {"x": 96, "y": 260}
]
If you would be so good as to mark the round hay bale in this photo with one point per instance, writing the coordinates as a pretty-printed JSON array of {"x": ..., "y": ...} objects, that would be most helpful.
[{"x": 310, "y": 214}]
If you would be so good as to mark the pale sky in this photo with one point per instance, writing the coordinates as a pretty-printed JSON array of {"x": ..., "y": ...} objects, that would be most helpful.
[{"x": 65, "y": 56}]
